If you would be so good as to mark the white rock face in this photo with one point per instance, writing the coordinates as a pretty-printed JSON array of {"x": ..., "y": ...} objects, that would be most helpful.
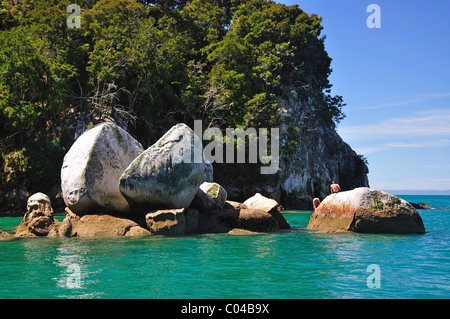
[
  {"x": 92, "y": 168},
  {"x": 167, "y": 174},
  {"x": 38, "y": 198}
]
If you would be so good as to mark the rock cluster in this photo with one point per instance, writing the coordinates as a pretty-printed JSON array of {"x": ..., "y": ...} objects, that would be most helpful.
[{"x": 113, "y": 187}]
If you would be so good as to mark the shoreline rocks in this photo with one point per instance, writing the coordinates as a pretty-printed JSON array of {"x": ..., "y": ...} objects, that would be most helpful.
[
  {"x": 161, "y": 191},
  {"x": 39, "y": 222},
  {"x": 367, "y": 211},
  {"x": 113, "y": 188}
]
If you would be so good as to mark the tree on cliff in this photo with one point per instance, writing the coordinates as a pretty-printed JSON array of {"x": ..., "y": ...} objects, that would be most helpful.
[{"x": 148, "y": 65}]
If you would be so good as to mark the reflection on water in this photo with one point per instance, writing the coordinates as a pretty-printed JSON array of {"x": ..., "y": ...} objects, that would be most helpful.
[{"x": 73, "y": 272}]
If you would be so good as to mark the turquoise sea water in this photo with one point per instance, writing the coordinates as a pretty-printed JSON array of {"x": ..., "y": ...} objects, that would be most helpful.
[{"x": 292, "y": 264}]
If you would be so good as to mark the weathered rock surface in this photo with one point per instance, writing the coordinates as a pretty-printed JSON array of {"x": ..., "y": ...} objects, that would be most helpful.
[
  {"x": 202, "y": 201},
  {"x": 209, "y": 172},
  {"x": 225, "y": 220},
  {"x": 234, "y": 205},
  {"x": 99, "y": 225},
  {"x": 5, "y": 236},
  {"x": 257, "y": 220},
  {"x": 92, "y": 168},
  {"x": 191, "y": 217},
  {"x": 170, "y": 222},
  {"x": 215, "y": 191},
  {"x": 420, "y": 205},
  {"x": 38, "y": 220},
  {"x": 239, "y": 231},
  {"x": 167, "y": 174},
  {"x": 269, "y": 205},
  {"x": 367, "y": 211}
]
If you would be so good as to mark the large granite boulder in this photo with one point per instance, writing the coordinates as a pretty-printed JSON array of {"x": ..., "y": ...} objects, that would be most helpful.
[
  {"x": 167, "y": 174},
  {"x": 366, "y": 210},
  {"x": 92, "y": 168},
  {"x": 38, "y": 219},
  {"x": 269, "y": 205}
]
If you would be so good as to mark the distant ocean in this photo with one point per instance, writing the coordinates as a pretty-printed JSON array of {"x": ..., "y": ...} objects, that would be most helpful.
[{"x": 291, "y": 264}]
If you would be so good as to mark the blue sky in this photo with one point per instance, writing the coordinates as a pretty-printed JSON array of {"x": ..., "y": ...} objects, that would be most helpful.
[{"x": 395, "y": 81}]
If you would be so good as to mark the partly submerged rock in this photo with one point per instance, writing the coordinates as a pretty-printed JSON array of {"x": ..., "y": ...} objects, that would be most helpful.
[
  {"x": 367, "y": 211},
  {"x": 38, "y": 220},
  {"x": 257, "y": 220},
  {"x": 5, "y": 236},
  {"x": 100, "y": 225},
  {"x": 420, "y": 205},
  {"x": 239, "y": 231},
  {"x": 92, "y": 168},
  {"x": 217, "y": 221},
  {"x": 225, "y": 220},
  {"x": 269, "y": 205},
  {"x": 167, "y": 174}
]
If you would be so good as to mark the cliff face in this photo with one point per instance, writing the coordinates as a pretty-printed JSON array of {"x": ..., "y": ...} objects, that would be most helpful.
[
  {"x": 321, "y": 157},
  {"x": 316, "y": 156}
]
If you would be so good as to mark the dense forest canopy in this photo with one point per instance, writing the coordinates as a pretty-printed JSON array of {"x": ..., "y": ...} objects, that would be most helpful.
[{"x": 148, "y": 64}]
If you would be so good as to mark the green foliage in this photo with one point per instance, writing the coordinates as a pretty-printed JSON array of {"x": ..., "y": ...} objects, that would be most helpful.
[
  {"x": 377, "y": 202},
  {"x": 158, "y": 62}
]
